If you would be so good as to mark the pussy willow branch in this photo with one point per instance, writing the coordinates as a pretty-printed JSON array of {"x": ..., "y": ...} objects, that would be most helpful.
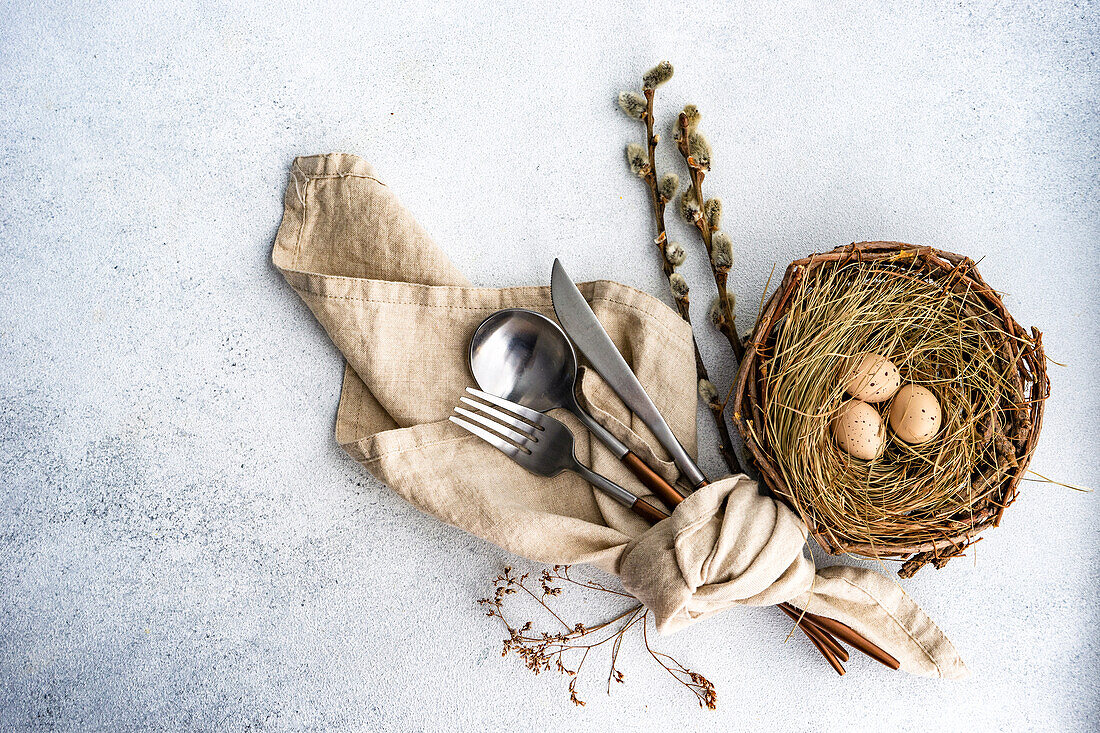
[
  {"x": 716, "y": 409},
  {"x": 659, "y": 202},
  {"x": 726, "y": 323}
]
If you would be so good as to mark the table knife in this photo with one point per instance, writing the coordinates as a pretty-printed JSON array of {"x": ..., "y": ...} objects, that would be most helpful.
[{"x": 580, "y": 323}]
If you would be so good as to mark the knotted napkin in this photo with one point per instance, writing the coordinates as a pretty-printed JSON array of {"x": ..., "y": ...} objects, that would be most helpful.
[{"x": 402, "y": 316}]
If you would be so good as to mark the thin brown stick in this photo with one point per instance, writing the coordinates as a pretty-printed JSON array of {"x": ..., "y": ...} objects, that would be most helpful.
[
  {"x": 655, "y": 197},
  {"x": 564, "y": 575},
  {"x": 543, "y": 604},
  {"x": 701, "y": 686}
]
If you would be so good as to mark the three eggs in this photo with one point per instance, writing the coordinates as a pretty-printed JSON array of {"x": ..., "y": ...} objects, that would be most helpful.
[{"x": 914, "y": 414}]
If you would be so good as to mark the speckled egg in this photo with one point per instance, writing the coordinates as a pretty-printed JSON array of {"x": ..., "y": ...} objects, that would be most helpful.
[
  {"x": 915, "y": 414},
  {"x": 859, "y": 430},
  {"x": 872, "y": 378}
]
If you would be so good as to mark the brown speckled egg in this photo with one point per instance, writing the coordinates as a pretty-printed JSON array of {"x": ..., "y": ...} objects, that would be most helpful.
[
  {"x": 915, "y": 414},
  {"x": 859, "y": 430},
  {"x": 872, "y": 378}
]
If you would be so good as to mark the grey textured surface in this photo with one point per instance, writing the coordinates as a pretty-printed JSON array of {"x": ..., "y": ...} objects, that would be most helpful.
[{"x": 182, "y": 545}]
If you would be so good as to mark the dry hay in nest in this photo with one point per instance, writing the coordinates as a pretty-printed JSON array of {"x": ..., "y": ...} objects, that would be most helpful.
[{"x": 931, "y": 313}]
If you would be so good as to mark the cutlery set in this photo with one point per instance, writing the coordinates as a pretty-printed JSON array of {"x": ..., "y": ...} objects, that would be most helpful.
[
  {"x": 525, "y": 365},
  {"x": 542, "y": 445},
  {"x": 525, "y": 357}
]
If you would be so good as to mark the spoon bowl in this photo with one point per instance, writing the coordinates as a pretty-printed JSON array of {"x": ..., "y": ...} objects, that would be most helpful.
[{"x": 523, "y": 356}]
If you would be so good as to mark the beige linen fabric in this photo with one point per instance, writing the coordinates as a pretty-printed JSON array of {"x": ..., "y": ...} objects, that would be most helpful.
[{"x": 402, "y": 316}]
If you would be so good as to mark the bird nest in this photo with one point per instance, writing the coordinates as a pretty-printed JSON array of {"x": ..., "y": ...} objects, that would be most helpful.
[{"x": 931, "y": 313}]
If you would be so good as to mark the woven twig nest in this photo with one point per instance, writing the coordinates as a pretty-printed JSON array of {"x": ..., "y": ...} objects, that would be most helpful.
[{"x": 931, "y": 313}]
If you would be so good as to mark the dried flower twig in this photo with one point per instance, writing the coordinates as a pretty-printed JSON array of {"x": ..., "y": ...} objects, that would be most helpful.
[
  {"x": 643, "y": 163},
  {"x": 548, "y": 651}
]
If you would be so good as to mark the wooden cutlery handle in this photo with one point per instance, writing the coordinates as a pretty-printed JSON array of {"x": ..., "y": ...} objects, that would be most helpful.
[
  {"x": 824, "y": 643},
  {"x": 646, "y": 510},
  {"x": 652, "y": 480},
  {"x": 810, "y": 628},
  {"x": 825, "y": 652},
  {"x": 855, "y": 639}
]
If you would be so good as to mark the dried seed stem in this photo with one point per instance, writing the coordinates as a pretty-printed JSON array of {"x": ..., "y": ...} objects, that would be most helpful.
[{"x": 546, "y": 651}]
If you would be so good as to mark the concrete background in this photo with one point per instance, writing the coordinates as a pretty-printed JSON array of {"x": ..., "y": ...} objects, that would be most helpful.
[{"x": 182, "y": 544}]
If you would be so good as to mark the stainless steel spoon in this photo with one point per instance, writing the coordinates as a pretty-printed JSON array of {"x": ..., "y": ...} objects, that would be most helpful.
[{"x": 525, "y": 357}]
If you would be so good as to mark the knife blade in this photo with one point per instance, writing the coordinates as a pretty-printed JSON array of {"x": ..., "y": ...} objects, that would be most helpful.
[{"x": 580, "y": 323}]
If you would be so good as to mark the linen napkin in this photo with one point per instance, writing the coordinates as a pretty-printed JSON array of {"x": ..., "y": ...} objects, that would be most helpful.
[{"x": 402, "y": 316}]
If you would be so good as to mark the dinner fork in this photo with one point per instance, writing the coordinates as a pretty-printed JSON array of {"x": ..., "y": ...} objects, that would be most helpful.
[{"x": 540, "y": 443}]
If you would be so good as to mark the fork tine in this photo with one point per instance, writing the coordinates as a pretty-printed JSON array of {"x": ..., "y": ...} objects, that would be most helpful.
[
  {"x": 524, "y": 412},
  {"x": 505, "y": 431},
  {"x": 500, "y": 444},
  {"x": 502, "y": 416}
]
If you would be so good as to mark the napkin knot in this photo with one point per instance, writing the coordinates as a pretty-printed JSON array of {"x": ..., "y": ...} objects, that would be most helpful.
[{"x": 727, "y": 544}]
